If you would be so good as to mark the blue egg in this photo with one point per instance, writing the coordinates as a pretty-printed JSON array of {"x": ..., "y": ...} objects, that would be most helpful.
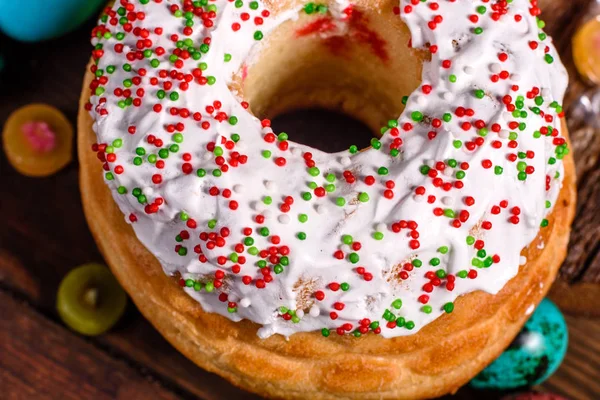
[
  {"x": 533, "y": 356},
  {"x": 36, "y": 20}
]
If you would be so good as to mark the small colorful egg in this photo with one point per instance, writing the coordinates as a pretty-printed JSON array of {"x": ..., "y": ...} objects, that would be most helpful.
[
  {"x": 586, "y": 50},
  {"x": 533, "y": 356},
  {"x": 35, "y": 20},
  {"x": 90, "y": 300},
  {"x": 37, "y": 140}
]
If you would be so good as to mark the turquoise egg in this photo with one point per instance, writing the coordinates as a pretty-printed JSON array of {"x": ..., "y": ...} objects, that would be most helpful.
[
  {"x": 533, "y": 356},
  {"x": 36, "y": 20}
]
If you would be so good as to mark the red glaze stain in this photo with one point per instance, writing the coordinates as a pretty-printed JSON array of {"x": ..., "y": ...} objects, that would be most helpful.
[
  {"x": 358, "y": 31},
  {"x": 321, "y": 25}
]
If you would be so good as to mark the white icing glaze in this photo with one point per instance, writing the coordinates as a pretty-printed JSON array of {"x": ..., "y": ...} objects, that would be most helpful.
[{"x": 311, "y": 260}]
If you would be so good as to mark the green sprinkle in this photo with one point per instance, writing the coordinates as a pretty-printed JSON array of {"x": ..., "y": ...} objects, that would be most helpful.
[
  {"x": 163, "y": 153},
  {"x": 416, "y": 116},
  {"x": 347, "y": 239},
  {"x": 449, "y": 213}
]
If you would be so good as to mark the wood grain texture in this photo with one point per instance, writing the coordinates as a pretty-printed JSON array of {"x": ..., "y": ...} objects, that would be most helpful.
[
  {"x": 43, "y": 233},
  {"x": 41, "y": 358}
]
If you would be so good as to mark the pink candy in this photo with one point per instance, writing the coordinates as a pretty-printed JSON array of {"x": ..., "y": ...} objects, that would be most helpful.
[{"x": 40, "y": 136}]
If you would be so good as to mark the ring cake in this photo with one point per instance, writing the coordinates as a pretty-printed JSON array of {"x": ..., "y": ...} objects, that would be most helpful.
[{"x": 395, "y": 271}]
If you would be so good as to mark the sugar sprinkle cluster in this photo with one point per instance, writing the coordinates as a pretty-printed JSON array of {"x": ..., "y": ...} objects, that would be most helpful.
[{"x": 383, "y": 241}]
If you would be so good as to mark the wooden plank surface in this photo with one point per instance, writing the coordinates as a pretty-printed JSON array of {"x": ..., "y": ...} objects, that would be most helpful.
[
  {"x": 41, "y": 359},
  {"x": 43, "y": 235}
]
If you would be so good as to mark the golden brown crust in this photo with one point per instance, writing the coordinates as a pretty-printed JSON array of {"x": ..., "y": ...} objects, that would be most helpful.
[{"x": 437, "y": 360}]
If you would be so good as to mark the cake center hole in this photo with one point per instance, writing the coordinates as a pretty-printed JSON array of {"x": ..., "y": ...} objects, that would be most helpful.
[
  {"x": 331, "y": 92},
  {"x": 326, "y": 130}
]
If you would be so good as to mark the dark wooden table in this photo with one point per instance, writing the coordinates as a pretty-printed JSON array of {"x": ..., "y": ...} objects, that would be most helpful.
[{"x": 43, "y": 234}]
